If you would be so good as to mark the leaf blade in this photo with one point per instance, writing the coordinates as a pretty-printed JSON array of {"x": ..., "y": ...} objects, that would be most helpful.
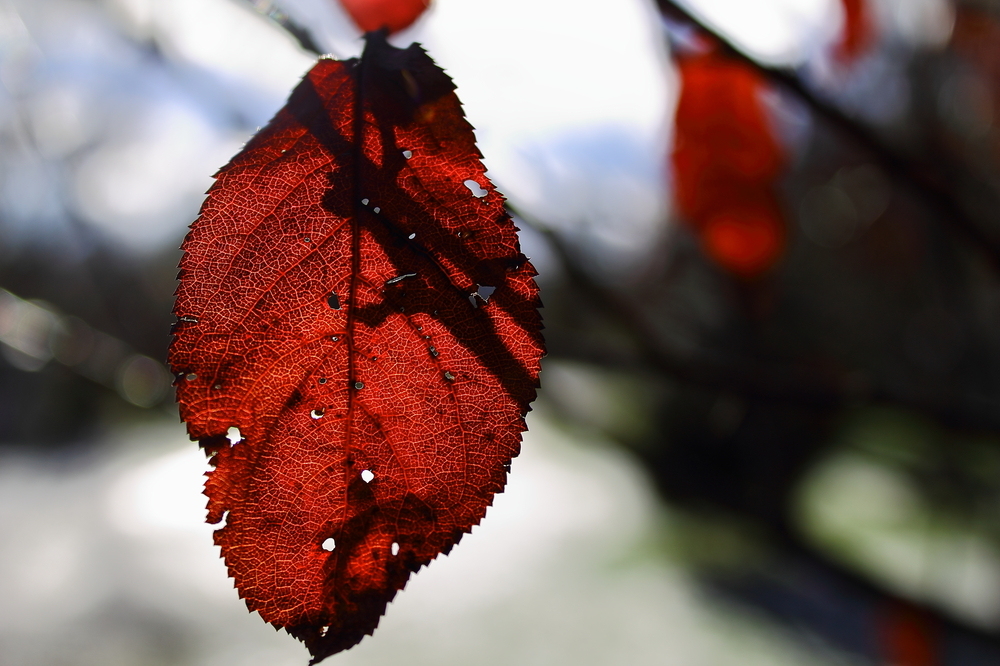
[{"x": 414, "y": 379}]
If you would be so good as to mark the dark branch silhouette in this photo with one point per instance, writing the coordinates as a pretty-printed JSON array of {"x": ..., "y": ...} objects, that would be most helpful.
[{"x": 751, "y": 379}]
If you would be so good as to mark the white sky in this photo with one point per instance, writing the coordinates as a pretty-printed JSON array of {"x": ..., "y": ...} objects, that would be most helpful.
[{"x": 777, "y": 31}]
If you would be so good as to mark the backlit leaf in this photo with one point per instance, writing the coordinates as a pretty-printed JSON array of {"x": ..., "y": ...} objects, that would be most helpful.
[{"x": 354, "y": 301}]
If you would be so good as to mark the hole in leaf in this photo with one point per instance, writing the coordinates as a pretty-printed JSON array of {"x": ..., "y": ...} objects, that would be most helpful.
[
  {"x": 316, "y": 413},
  {"x": 434, "y": 352},
  {"x": 333, "y": 300},
  {"x": 367, "y": 475},
  {"x": 322, "y": 380},
  {"x": 475, "y": 188},
  {"x": 364, "y": 202},
  {"x": 329, "y": 544},
  {"x": 412, "y": 236},
  {"x": 191, "y": 377},
  {"x": 377, "y": 209},
  {"x": 359, "y": 385},
  {"x": 334, "y": 338},
  {"x": 407, "y": 154},
  {"x": 233, "y": 434},
  {"x": 450, "y": 377},
  {"x": 482, "y": 293},
  {"x": 394, "y": 548}
]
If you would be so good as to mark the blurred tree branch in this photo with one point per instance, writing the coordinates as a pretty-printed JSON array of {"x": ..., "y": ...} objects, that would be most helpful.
[
  {"x": 764, "y": 381},
  {"x": 934, "y": 183}
]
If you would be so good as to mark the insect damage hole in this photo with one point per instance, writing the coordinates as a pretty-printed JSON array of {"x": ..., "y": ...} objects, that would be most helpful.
[
  {"x": 407, "y": 154},
  {"x": 329, "y": 544},
  {"x": 316, "y": 413},
  {"x": 367, "y": 475},
  {"x": 333, "y": 300},
  {"x": 475, "y": 188},
  {"x": 394, "y": 549},
  {"x": 233, "y": 435},
  {"x": 482, "y": 293}
]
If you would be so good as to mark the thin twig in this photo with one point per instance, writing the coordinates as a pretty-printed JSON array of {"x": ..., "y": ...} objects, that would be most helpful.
[
  {"x": 924, "y": 179},
  {"x": 271, "y": 11}
]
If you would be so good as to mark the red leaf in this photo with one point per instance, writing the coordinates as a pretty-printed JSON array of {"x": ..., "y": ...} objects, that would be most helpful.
[
  {"x": 355, "y": 308},
  {"x": 725, "y": 162},
  {"x": 745, "y": 237},
  {"x": 395, "y": 15},
  {"x": 908, "y": 635}
]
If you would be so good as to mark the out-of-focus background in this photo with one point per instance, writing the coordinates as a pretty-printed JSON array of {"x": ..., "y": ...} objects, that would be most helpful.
[{"x": 768, "y": 241}]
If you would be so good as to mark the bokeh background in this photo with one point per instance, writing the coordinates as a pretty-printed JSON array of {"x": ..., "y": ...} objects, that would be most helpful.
[{"x": 768, "y": 242}]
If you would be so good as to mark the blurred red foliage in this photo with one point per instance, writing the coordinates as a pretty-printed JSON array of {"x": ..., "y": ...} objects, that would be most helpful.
[
  {"x": 725, "y": 161},
  {"x": 858, "y": 32},
  {"x": 975, "y": 38},
  {"x": 908, "y": 636},
  {"x": 392, "y": 14}
]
